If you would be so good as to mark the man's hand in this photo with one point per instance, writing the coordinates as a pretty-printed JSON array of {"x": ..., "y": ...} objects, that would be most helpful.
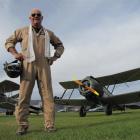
[
  {"x": 52, "y": 59},
  {"x": 19, "y": 56}
]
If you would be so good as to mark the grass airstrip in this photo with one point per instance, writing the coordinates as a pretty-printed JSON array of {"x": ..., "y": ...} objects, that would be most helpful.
[{"x": 95, "y": 126}]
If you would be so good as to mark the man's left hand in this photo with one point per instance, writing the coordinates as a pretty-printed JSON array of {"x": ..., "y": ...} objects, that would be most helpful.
[{"x": 52, "y": 59}]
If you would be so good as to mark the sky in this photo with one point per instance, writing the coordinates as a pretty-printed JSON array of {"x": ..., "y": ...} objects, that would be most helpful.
[{"x": 101, "y": 37}]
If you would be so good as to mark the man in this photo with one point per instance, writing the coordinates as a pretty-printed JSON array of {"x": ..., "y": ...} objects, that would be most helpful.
[{"x": 35, "y": 55}]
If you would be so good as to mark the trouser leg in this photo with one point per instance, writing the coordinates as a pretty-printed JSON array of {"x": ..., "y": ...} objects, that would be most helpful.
[
  {"x": 46, "y": 93},
  {"x": 22, "y": 108}
]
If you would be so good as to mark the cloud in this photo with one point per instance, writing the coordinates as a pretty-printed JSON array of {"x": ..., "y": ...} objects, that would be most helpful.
[
  {"x": 100, "y": 37},
  {"x": 104, "y": 49},
  {"x": 5, "y": 5}
]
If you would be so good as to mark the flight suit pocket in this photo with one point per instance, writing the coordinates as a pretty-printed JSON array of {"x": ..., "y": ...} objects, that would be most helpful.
[{"x": 27, "y": 73}]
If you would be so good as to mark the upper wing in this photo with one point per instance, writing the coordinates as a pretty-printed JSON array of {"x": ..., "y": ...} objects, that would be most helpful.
[
  {"x": 73, "y": 102},
  {"x": 127, "y": 76},
  {"x": 122, "y": 98},
  {"x": 8, "y": 86},
  {"x": 69, "y": 85}
]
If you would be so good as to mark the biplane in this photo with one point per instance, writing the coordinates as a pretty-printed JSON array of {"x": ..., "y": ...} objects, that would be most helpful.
[
  {"x": 97, "y": 93},
  {"x": 8, "y": 102}
]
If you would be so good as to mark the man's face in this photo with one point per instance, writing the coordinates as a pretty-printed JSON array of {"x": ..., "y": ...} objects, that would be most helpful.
[{"x": 36, "y": 18}]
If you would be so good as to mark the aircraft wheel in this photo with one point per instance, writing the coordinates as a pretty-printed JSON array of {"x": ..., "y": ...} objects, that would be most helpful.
[
  {"x": 108, "y": 109},
  {"x": 82, "y": 111}
]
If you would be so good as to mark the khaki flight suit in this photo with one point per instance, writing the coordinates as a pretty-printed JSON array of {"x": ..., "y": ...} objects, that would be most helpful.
[{"x": 37, "y": 70}]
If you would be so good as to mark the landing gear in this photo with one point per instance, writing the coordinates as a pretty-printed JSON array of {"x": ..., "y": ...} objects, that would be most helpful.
[
  {"x": 82, "y": 112},
  {"x": 108, "y": 109}
]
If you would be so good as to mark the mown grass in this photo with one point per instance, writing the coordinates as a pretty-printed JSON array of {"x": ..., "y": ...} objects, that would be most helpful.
[{"x": 95, "y": 126}]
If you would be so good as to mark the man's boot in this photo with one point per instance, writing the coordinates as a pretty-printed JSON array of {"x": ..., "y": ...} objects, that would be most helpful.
[
  {"x": 51, "y": 129},
  {"x": 22, "y": 130}
]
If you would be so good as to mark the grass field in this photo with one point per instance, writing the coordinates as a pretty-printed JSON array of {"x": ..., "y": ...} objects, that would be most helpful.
[{"x": 95, "y": 126}]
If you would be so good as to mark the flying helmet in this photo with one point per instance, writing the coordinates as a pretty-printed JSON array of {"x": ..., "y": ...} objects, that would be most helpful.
[{"x": 13, "y": 69}]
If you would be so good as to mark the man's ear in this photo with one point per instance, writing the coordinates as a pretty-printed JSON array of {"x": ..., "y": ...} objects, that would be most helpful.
[
  {"x": 42, "y": 18},
  {"x": 29, "y": 17}
]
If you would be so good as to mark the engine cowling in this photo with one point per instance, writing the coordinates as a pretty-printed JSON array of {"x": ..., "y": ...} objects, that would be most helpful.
[{"x": 92, "y": 83}]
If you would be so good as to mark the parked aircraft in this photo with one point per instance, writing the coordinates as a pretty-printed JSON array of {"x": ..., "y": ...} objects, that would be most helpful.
[
  {"x": 96, "y": 92},
  {"x": 8, "y": 102}
]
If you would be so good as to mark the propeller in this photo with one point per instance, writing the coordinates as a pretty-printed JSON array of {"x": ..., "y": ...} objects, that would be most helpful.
[{"x": 86, "y": 87}]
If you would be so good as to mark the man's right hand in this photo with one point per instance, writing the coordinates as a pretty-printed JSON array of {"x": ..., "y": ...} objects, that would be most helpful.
[{"x": 19, "y": 56}]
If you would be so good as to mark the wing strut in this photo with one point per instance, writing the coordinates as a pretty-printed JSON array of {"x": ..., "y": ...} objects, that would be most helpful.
[
  {"x": 63, "y": 94},
  {"x": 71, "y": 93},
  {"x": 113, "y": 88}
]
